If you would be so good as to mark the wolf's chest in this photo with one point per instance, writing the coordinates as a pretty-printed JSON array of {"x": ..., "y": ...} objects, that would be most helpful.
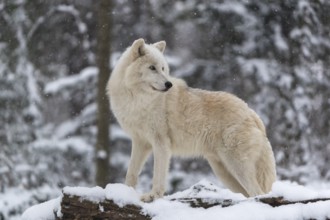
[{"x": 138, "y": 115}]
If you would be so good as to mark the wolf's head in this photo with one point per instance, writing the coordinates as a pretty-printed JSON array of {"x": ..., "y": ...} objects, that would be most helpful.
[{"x": 148, "y": 70}]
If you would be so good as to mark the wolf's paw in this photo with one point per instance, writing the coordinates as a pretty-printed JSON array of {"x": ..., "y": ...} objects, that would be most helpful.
[{"x": 149, "y": 197}]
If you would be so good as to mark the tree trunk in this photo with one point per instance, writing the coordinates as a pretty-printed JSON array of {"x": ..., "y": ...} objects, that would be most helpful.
[{"x": 102, "y": 151}]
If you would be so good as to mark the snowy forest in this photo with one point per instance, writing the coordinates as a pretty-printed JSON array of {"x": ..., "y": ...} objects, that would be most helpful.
[{"x": 273, "y": 54}]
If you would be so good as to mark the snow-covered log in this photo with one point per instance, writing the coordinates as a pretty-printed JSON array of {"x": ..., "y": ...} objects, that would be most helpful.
[
  {"x": 75, "y": 207},
  {"x": 121, "y": 202},
  {"x": 203, "y": 200}
]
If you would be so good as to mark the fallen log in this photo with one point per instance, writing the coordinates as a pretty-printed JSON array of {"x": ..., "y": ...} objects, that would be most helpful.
[
  {"x": 74, "y": 207},
  {"x": 279, "y": 201},
  {"x": 272, "y": 201}
]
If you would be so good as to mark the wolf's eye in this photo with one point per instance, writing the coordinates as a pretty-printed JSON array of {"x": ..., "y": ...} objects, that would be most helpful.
[
  {"x": 163, "y": 68},
  {"x": 152, "y": 67}
]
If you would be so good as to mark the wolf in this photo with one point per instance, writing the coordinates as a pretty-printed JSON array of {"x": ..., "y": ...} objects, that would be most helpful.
[{"x": 164, "y": 116}]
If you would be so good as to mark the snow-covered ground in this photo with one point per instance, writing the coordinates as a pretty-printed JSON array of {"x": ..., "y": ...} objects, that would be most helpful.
[
  {"x": 169, "y": 208},
  {"x": 17, "y": 199}
]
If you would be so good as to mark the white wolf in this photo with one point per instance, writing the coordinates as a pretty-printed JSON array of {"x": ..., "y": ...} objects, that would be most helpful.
[{"x": 163, "y": 115}]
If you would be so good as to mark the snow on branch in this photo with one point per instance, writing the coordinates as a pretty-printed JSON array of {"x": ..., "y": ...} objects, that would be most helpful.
[{"x": 71, "y": 81}]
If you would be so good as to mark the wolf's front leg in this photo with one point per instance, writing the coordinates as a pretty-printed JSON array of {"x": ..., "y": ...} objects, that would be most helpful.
[
  {"x": 139, "y": 154},
  {"x": 162, "y": 156}
]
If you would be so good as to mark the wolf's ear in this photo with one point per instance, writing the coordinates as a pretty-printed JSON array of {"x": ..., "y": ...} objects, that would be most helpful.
[
  {"x": 138, "y": 48},
  {"x": 160, "y": 46}
]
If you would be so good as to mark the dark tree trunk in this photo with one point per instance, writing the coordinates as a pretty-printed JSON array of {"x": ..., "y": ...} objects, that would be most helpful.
[{"x": 102, "y": 151}]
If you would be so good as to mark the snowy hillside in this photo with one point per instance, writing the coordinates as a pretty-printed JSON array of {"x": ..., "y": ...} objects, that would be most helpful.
[{"x": 175, "y": 206}]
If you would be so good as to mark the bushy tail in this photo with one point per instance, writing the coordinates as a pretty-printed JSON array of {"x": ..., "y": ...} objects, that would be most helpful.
[{"x": 266, "y": 174}]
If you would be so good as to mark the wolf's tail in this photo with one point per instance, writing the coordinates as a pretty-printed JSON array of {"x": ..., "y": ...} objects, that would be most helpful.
[{"x": 266, "y": 172}]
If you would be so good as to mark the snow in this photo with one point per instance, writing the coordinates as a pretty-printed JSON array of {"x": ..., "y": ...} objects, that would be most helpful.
[
  {"x": 207, "y": 190},
  {"x": 43, "y": 211},
  {"x": 245, "y": 209},
  {"x": 166, "y": 208},
  {"x": 70, "y": 81},
  {"x": 101, "y": 154},
  {"x": 67, "y": 128},
  {"x": 118, "y": 133},
  {"x": 94, "y": 194},
  {"x": 279, "y": 39},
  {"x": 119, "y": 159},
  {"x": 294, "y": 192},
  {"x": 122, "y": 195},
  {"x": 19, "y": 199},
  {"x": 76, "y": 143},
  {"x": 234, "y": 7},
  {"x": 260, "y": 66}
]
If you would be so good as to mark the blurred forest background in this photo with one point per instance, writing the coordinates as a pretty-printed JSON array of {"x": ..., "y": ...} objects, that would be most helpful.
[{"x": 274, "y": 54}]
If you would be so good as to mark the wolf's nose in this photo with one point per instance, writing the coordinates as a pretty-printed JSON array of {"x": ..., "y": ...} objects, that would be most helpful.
[{"x": 168, "y": 85}]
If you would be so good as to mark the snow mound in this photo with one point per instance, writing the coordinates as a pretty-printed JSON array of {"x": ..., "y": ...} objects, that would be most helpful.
[
  {"x": 294, "y": 192},
  {"x": 122, "y": 195},
  {"x": 207, "y": 190},
  {"x": 94, "y": 194},
  {"x": 43, "y": 211}
]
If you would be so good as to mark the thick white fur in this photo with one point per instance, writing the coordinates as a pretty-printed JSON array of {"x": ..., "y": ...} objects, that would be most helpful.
[{"x": 188, "y": 122}]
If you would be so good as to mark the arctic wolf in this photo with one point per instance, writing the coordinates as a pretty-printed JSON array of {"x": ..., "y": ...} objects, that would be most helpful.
[{"x": 164, "y": 116}]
